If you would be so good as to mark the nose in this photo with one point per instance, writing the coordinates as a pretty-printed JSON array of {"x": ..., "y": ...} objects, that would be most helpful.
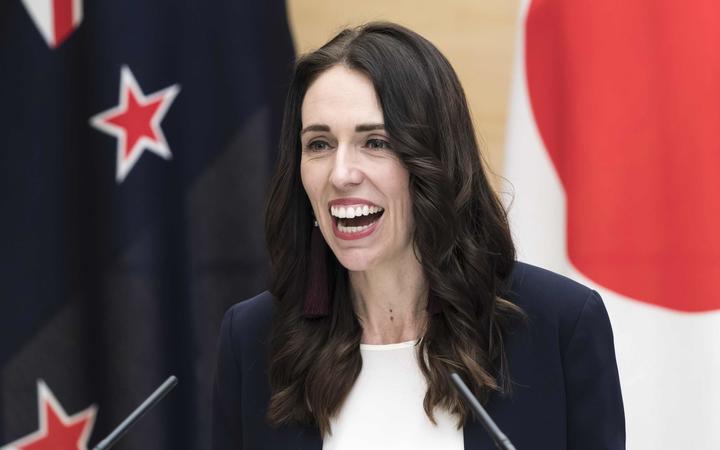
[{"x": 346, "y": 171}]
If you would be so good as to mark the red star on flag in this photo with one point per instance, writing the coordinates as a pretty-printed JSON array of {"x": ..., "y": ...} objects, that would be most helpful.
[
  {"x": 135, "y": 122},
  {"x": 58, "y": 431}
]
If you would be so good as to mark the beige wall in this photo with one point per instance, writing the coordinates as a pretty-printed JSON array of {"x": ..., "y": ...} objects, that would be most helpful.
[{"x": 477, "y": 36}]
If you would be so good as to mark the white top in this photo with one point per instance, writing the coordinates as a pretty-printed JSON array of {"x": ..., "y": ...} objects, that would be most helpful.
[{"x": 384, "y": 409}]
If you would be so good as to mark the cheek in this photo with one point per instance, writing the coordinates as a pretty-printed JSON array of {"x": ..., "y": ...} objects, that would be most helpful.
[
  {"x": 400, "y": 190},
  {"x": 306, "y": 179}
]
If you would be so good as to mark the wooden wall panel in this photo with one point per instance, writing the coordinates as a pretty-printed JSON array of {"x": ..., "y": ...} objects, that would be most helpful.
[{"x": 477, "y": 36}]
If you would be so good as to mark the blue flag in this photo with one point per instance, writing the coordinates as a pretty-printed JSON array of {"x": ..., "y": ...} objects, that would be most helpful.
[{"x": 136, "y": 142}]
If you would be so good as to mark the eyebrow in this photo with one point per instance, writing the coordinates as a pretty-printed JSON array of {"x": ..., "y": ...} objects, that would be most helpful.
[
  {"x": 360, "y": 128},
  {"x": 315, "y": 128},
  {"x": 369, "y": 127}
]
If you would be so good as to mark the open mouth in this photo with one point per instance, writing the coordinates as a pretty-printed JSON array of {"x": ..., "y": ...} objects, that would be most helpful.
[{"x": 355, "y": 219}]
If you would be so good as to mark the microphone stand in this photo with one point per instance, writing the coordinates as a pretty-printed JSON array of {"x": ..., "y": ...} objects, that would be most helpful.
[
  {"x": 501, "y": 441},
  {"x": 149, "y": 402}
]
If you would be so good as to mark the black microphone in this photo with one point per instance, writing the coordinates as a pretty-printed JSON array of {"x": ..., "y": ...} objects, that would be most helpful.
[
  {"x": 501, "y": 441},
  {"x": 149, "y": 402}
]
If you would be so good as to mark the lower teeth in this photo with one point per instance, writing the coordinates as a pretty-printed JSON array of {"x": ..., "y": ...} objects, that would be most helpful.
[{"x": 345, "y": 229}]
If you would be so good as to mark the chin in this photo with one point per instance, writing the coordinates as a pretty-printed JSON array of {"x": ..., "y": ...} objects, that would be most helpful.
[{"x": 355, "y": 263}]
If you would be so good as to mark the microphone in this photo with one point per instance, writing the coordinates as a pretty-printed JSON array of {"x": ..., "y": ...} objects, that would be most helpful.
[
  {"x": 501, "y": 441},
  {"x": 140, "y": 411}
]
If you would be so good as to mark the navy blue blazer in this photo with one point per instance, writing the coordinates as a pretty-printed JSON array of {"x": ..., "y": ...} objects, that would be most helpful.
[{"x": 566, "y": 393}]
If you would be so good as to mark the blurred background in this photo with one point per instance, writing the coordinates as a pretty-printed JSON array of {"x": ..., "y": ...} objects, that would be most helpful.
[
  {"x": 477, "y": 37},
  {"x": 137, "y": 139}
]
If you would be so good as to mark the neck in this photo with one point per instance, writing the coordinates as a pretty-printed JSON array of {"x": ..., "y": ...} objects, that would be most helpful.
[{"x": 391, "y": 302}]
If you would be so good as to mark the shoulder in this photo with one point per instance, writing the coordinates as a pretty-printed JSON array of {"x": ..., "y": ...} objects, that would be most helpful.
[
  {"x": 554, "y": 301},
  {"x": 534, "y": 286},
  {"x": 256, "y": 308},
  {"x": 562, "y": 364},
  {"x": 240, "y": 390},
  {"x": 247, "y": 323}
]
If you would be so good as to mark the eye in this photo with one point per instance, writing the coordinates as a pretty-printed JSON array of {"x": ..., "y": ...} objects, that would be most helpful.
[
  {"x": 377, "y": 144},
  {"x": 317, "y": 145}
]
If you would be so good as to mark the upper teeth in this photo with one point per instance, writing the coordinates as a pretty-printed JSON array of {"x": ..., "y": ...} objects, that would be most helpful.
[{"x": 348, "y": 212}]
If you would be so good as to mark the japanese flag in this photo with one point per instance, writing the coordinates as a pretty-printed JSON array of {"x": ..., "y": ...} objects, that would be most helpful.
[{"x": 613, "y": 163}]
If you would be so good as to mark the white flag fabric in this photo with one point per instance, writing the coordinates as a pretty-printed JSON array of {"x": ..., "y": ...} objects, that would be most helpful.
[{"x": 613, "y": 164}]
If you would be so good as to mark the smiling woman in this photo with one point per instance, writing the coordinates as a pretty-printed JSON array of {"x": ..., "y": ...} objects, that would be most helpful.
[
  {"x": 393, "y": 266},
  {"x": 348, "y": 168}
]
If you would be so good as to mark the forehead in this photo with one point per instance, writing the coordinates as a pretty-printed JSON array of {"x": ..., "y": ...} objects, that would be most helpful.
[{"x": 341, "y": 96}]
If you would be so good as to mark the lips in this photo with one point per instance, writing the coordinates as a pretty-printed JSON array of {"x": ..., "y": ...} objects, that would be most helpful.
[{"x": 354, "y": 218}]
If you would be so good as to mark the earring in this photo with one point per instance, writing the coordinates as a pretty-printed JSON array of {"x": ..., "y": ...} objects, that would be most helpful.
[{"x": 317, "y": 302}]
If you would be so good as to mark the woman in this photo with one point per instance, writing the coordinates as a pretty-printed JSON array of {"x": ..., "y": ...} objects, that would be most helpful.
[{"x": 393, "y": 267}]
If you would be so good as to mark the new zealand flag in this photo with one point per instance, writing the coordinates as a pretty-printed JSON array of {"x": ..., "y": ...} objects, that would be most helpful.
[{"x": 136, "y": 141}]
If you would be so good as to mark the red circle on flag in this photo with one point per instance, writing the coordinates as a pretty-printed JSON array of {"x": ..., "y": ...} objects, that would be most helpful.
[{"x": 626, "y": 96}]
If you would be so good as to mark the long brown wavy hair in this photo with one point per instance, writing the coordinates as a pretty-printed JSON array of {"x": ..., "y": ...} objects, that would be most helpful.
[{"x": 461, "y": 237}]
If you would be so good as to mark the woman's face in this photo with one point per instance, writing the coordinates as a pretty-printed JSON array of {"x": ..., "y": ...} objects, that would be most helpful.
[{"x": 358, "y": 189}]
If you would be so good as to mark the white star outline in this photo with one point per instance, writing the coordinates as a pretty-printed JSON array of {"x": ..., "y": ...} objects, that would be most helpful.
[
  {"x": 159, "y": 147},
  {"x": 46, "y": 395}
]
